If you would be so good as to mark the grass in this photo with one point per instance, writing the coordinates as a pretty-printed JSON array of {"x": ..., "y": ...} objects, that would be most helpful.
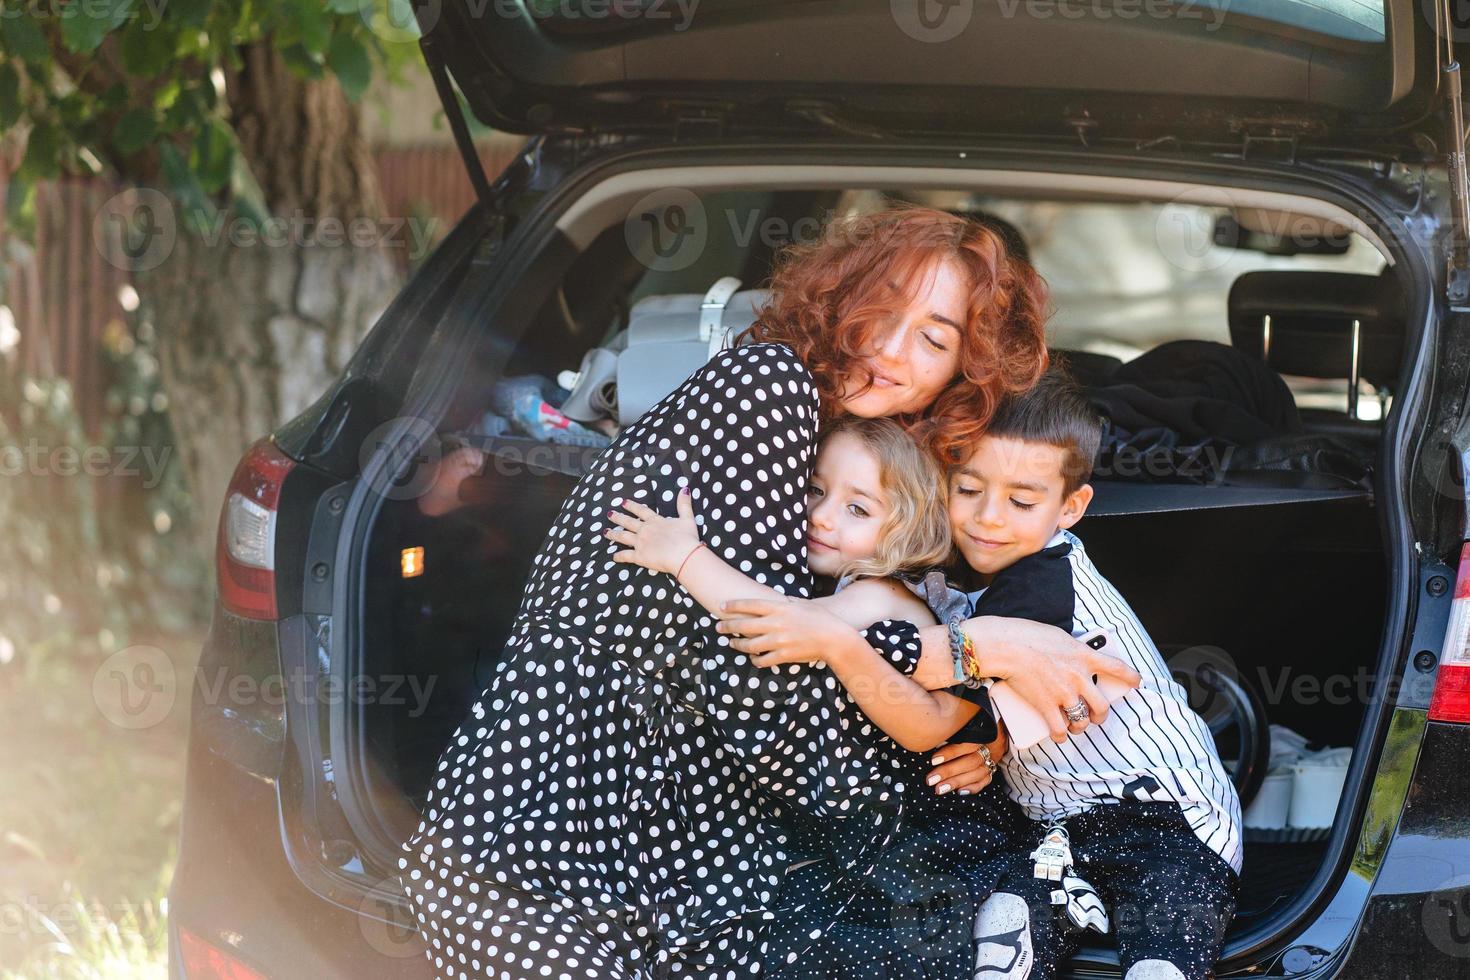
[{"x": 89, "y": 820}]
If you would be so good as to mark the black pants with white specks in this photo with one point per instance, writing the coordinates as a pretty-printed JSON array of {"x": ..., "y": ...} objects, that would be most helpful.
[{"x": 1169, "y": 896}]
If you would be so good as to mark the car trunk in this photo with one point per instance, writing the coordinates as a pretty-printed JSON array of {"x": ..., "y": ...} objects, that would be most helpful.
[{"x": 1285, "y": 585}]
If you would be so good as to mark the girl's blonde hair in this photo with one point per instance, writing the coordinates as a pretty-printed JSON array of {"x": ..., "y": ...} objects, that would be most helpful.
[{"x": 915, "y": 536}]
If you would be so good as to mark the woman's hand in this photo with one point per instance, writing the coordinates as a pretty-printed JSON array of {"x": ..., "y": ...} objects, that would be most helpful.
[
  {"x": 959, "y": 767},
  {"x": 1048, "y": 668},
  {"x": 654, "y": 541},
  {"x": 784, "y": 631}
]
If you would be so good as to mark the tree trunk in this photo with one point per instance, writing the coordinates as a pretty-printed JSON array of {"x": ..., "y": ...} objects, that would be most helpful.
[{"x": 251, "y": 332}]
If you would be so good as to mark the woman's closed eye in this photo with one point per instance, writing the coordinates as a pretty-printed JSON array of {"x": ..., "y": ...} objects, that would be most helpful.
[{"x": 934, "y": 343}]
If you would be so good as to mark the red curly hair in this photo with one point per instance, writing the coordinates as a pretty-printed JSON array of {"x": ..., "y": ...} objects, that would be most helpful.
[{"x": 832, "y": 293}]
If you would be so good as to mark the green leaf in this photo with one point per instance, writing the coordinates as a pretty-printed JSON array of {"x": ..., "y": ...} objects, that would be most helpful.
[
  {"x": 306, "y": 24},
  {"x": 135, "y": 130},
  {"x": 43, "y": 151},
  {"x": 213, "y": 155},
  {"x": 23, "y": 38},
  {"x": 84, "y": 25},
  {"x": 344, "y": 6},
  {"x": 147, "y": 50},
  {"x": 10, "y": 106},
  {"x": 20, "y": 206},
  {"x": 349, "y": 59},
  {"x": 194, "y": 205},
  {"x": 190, "y": 13},
  {"x": 301, "y": 61},
  {"x": 245, "y": 192}
]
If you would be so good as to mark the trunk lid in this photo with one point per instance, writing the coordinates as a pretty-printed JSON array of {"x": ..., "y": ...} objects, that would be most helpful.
[{"x": 1326, "y": 76}]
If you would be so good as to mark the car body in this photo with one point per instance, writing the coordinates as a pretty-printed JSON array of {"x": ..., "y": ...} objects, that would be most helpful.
[{"x": 295, "y": 805}]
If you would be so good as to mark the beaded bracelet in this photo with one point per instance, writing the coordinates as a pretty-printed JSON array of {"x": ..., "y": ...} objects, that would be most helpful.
[{"x": 966, "y": 661}]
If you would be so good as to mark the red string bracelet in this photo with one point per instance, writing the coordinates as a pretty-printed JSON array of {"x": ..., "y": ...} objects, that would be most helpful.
[{"x": 686, "y": 560}]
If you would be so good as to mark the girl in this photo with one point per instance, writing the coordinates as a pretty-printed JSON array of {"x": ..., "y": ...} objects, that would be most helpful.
[{"x": 875, "y": 528}]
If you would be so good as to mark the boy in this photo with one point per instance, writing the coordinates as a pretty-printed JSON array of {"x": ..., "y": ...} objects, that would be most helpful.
[{"x": 1152, "y": 820}]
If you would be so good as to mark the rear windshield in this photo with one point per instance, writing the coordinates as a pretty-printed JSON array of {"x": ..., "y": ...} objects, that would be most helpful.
[{"x": 1352, "y": 20}]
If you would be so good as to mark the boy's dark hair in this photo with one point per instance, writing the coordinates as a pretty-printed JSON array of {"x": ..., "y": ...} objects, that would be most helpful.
[{"x": 1055, "y": 412}]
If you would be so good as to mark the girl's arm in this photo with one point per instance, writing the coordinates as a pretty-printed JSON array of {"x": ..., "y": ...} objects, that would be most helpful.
[
  {"x": 671, "y": 545},
  {"x": 912, "y": 716}
]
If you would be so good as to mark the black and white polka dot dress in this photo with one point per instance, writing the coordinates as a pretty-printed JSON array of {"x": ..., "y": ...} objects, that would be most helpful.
[{"x": 625, "y": 798}]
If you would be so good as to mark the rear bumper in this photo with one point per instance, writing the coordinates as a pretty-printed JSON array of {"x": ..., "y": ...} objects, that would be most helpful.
[
  {"x": 1417, "y": 921},
  {"x": 235, "y": 888}
]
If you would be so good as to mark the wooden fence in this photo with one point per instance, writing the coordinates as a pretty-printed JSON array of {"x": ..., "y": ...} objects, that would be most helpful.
[{"x": 63, "y": 291}]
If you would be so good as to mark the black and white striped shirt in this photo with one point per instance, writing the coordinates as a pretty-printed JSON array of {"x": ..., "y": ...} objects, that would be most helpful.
[{"x": 1152, "y": 747}]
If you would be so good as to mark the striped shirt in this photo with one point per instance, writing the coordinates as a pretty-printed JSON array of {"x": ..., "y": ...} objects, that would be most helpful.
[{"x": 1152, "y": 746}]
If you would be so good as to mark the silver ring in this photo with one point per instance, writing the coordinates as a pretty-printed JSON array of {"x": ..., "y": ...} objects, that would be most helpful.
[{"x": 1078, "y": 711}]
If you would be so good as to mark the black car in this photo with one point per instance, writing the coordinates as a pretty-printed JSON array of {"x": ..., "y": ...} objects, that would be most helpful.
[{"x": 1283, "y": 179}]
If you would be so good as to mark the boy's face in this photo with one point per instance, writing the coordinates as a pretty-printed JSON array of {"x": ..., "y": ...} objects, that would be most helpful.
[
  {"x": 1007, "y": 501},
  {"x": 846, "y": 505}
]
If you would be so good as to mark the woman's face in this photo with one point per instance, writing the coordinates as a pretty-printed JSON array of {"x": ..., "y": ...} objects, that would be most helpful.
[
  {"x": 846, "y": 505},
  {"x": 913, "y": 358}
]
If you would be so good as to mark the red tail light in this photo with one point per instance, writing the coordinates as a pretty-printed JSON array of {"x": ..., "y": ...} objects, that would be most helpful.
[
  {"x": 202, "y": 961},
  {"x": 1451, "y": 701},
  {"x": 245, "y": 555}
]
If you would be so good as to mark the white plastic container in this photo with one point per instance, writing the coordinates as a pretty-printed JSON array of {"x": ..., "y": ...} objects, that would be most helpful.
[
  {"x": 1272, "y": 804},
  {"x": 1317, "y": 787}
]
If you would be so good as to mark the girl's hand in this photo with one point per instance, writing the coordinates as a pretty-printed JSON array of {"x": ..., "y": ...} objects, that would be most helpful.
[
  {"x": 783, "y": 631},
  {"x": 654, "y": 541},
  {"x": 1048, "y": 668},
  {"x": 960, "y": 768}
]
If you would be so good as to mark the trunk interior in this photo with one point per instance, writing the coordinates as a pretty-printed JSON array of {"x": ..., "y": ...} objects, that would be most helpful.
[{"x": 1284, "y": 591}]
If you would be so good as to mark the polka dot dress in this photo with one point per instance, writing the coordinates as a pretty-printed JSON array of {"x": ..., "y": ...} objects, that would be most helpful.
[{"x": 625, "y": 797}]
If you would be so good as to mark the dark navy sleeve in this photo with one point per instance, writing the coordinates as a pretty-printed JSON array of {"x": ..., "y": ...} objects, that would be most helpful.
[{"x": 1039, "y": 588}]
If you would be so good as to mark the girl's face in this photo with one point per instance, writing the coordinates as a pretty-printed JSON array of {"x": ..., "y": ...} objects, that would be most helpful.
[
  {"x": 914, "y": 357},
  {"x": 846, "y": 505}
]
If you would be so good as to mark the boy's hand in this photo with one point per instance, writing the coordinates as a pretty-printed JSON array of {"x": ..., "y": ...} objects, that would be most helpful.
[
  {"x": 783, "y": 631},
  {"x": 654, "y": 541}
]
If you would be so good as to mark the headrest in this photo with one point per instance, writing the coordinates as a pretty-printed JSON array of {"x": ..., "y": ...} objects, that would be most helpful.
[{"x": 1311, "y": 324}]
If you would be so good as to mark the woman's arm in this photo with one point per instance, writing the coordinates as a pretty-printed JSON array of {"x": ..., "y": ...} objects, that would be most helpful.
[{"x": 1044, "y": 665}]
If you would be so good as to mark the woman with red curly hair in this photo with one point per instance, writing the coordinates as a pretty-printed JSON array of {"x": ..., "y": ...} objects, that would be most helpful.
[{"x": 628, "y": 793}]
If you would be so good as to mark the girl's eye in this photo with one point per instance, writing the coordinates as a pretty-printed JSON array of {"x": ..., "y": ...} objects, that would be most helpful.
[
  {"x": 857, "y": 510},
  {"x": 934, "y": 343},
  {"x": 1020, "y": 505},
  {"x": 813, "y": 491},
  {"x": 966, "y": 491}
]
